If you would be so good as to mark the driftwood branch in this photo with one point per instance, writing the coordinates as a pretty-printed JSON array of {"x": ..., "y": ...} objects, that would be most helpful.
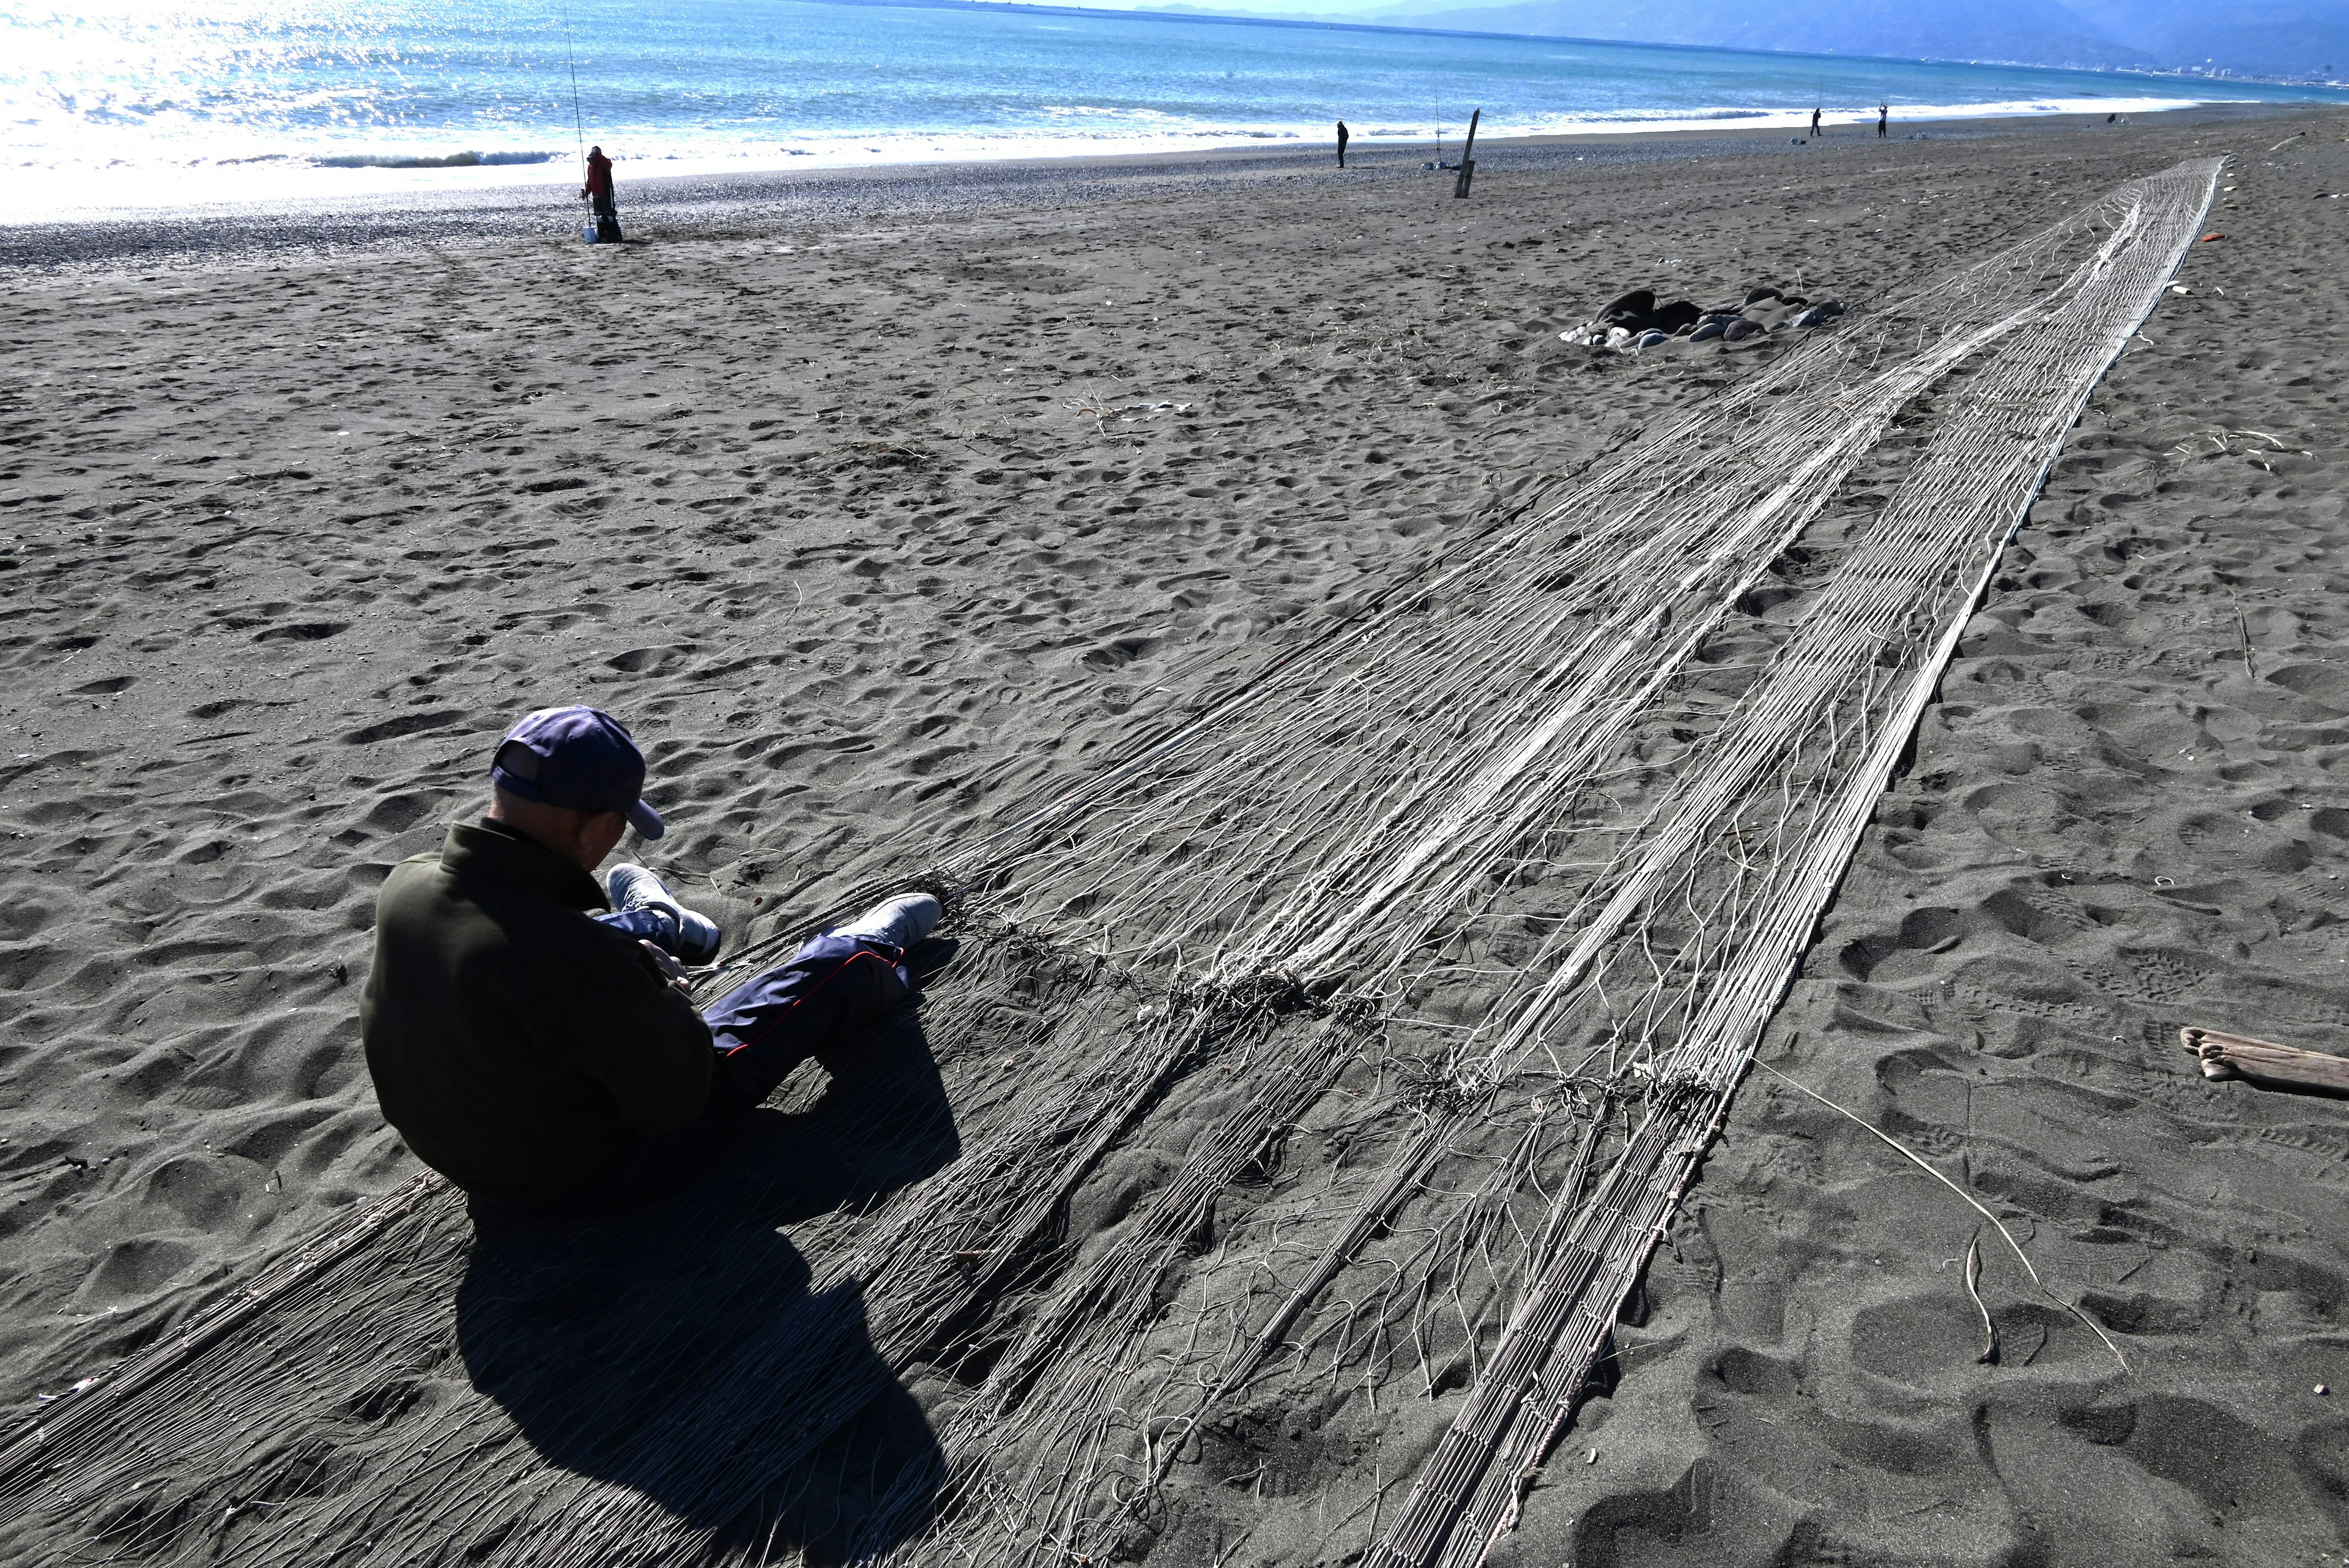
[{"x": 2265, "y": 1064}]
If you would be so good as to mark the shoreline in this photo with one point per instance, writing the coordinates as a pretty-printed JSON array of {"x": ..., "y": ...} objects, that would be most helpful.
[
  {"x": 289, "y": 182},
  {"x": 248, "y": 233}
]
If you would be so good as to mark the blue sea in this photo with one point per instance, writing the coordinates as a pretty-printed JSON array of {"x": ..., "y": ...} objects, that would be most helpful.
[{"x": 123, "y": 103}]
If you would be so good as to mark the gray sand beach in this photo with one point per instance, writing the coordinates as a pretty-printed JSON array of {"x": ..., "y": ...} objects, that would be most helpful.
[{"x": 862, "y": 499}]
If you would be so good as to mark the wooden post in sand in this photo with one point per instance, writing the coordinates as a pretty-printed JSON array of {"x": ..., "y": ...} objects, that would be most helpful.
[{"x": 1467, "y": 158}]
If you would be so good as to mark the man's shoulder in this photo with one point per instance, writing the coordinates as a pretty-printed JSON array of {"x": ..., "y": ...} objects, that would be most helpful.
[
  {"x": 427, "y": 887},
  {"x": 418, "y": 877},
  {"x": 415, "y": 865}
]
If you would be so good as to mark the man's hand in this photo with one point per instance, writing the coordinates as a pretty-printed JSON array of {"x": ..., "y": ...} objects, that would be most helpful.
[{"x": 667, "y": 963}]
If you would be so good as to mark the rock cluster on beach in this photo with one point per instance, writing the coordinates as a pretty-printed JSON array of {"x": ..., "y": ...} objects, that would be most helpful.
[{"x": 1634, "y": 322}]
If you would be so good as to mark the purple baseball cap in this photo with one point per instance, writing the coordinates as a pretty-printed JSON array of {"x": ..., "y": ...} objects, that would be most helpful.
[{"x": 579, "y": 758}]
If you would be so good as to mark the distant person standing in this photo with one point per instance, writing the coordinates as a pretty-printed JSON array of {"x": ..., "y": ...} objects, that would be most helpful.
[
  {"x": 598, "y": 190},
  {"x": 1814, "y": 124},
  {"x": 1343, "y": 136},
  {"x": 1883, "y": 121}
]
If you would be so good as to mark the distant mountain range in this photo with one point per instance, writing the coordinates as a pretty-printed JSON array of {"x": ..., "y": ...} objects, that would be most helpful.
[{"x": 2295, "y": 39}]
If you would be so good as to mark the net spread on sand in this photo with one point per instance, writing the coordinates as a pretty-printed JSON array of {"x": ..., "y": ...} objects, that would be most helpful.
[{"x": 1311, "y": 1089}]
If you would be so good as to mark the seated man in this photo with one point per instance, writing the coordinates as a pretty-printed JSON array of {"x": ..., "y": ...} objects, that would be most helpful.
[{"x": 538, "y": 1049}]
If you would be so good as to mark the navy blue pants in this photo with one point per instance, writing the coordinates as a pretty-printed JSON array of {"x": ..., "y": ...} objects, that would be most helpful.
[{"x": 827, "y": 1002}]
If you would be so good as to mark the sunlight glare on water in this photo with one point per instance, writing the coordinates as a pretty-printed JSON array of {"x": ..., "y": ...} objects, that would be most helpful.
[{"x": 242, "y": 79}]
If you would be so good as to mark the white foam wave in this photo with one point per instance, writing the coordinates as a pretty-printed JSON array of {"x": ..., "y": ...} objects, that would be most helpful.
[{"x": 300, "y": 178}]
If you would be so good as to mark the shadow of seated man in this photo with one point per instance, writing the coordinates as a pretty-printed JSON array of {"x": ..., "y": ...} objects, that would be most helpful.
[{"x": 684, "y": 1351}]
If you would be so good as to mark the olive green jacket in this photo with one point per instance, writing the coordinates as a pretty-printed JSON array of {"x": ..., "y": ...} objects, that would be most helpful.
[{"x": 517, "y": 1045}]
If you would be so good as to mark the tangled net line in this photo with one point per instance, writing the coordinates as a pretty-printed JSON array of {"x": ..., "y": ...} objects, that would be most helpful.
[{"x": 1489, "y": 894}]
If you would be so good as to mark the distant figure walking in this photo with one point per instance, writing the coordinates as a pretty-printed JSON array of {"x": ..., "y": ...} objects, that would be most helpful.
[
  {"x": 1343, "y": 136},
  {"x": 1815, "y": 122},
  {"x": 1883, "y": 121},
  {"x": 598, "y": 189}
]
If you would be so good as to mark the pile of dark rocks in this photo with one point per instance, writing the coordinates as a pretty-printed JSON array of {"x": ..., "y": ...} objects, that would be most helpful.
[{"x": 1636, "y": 322}]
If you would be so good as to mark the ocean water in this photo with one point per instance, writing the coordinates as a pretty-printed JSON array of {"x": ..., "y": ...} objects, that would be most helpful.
[{"x": 125, "y": 103}]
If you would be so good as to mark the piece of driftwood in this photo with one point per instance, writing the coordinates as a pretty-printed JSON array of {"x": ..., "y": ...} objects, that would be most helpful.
[{"x": 2266, "y": 1064}]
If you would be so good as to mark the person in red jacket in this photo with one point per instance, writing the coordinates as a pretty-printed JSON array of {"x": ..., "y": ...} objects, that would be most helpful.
[{"x": 598, "y": 189}]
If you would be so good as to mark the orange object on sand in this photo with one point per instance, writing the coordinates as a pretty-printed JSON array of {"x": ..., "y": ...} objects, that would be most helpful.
[{"x": 2208, "y": 238}]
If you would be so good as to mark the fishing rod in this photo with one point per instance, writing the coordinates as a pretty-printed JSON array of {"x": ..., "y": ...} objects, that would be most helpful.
[{"x": 578, "y": 119}]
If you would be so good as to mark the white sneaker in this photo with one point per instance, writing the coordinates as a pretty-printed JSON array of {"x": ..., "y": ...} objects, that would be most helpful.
[
  {"x": 900, "y": 922},
  {"x": 634, "y": 887}
]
